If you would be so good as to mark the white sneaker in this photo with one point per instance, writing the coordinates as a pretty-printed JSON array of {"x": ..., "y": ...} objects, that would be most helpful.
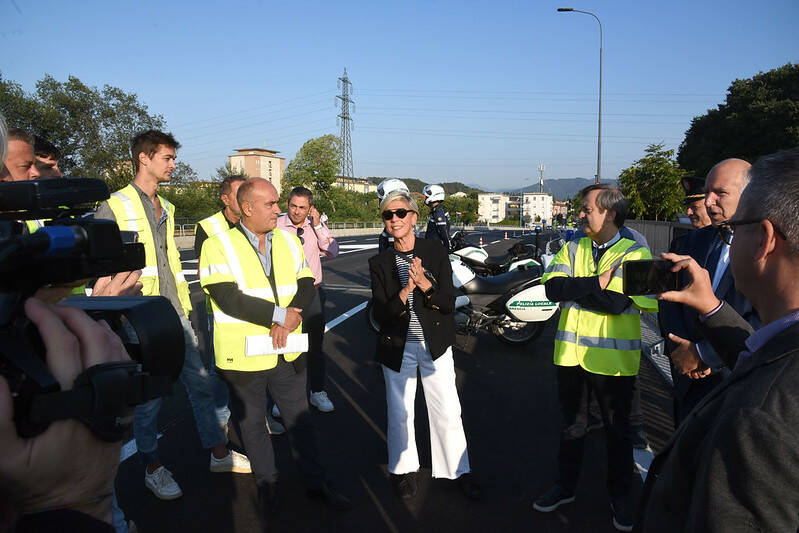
[
  {"x": 273, "y": 426},
  {"x": 276, "y": 412},
  {"x": 321, "y": 401},
  {"x": 232, "y": 462},
  {"x": 162, "y": 484}
]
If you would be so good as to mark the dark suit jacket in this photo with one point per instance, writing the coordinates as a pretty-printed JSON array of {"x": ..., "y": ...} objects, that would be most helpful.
[
  {"x": 733, "y": 464},
  {"x": 682, "y": 320},
  {"x": 435, "y": 314}
]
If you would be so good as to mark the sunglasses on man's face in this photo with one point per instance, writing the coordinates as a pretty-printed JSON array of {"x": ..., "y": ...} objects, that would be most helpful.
[
  {"x": 401, "y": 213},
  {"x": 300, "y": 231}
]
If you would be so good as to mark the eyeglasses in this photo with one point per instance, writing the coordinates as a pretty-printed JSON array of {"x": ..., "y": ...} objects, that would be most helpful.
[
  {"x": 727, "y": 228},
  {"x": 401, "y": 213},
  {"x": 300, "y": 231}
]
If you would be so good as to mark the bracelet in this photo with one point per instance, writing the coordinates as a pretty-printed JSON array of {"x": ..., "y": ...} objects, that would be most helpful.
[{"x": 70, "y": 505}]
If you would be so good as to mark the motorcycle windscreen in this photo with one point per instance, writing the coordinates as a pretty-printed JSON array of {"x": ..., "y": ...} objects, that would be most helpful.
[{"x": 531, "y": 305}]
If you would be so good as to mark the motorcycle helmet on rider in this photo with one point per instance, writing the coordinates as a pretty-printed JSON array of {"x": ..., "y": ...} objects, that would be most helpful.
[{"x": 433, "y": 193}]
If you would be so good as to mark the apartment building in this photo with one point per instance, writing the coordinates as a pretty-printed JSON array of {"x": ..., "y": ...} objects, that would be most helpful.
[{"x": 259, "y": 162}]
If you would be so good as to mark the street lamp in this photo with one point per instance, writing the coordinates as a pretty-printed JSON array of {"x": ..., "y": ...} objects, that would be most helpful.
[{"x": 599, "y": 127}]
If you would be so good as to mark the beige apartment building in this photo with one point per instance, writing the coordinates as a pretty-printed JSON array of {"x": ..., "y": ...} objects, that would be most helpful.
[
  {"x": 355, "y": 184},
  {"x": 259, "y": 162},
  {"x": 492, "y": 207}
]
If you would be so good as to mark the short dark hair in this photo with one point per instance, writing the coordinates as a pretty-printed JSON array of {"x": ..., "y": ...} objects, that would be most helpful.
[
  {"x": 301, "y": 191},
  {"x": 609, "y": 198},
  {"x": 147, "y": 142},
  {"x": 44, "y": 148},
  {"x": 225, "y": 186},
  {"x": 18, "y": 134}
]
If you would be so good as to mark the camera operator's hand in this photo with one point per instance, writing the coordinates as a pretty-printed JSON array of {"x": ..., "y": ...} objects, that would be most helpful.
[
  {"x": 698, "y": 293},
  {"x": 66, "y": 466},
  {"x": 120, "y": 284},
  {"x": 293, "y": 318},
  {"x": 701, "y": 371}
]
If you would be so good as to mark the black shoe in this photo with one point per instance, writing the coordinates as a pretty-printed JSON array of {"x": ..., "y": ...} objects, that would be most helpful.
[
  {"x": 553, "y": 498},
  {"x": 639, "y": 439},
  {"x": 270, "y": 498},
  {"x": 469, "y": 486},
  {"x": 593, "y": 423},
  {"x": 330, "y": 497},
  {"x": 622, "y": 509},
  {"x": 405, "y": 484}
]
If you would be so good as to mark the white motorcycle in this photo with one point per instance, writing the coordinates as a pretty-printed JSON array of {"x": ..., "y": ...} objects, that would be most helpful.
[{"x": 513, "y": 306}]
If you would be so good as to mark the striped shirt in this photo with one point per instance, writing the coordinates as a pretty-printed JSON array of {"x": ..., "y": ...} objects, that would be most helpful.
[{"x": 403, "y": 261}]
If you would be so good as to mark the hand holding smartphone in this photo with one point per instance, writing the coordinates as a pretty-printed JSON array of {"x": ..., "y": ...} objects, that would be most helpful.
[{"x": 648, "y": 276}]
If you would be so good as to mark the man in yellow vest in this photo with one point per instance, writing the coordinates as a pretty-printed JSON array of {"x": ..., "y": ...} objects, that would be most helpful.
[
  {"x": 597, "y": 346},
  {"x": 259, "y": 283},
  {"x": 139, "y": 208}
]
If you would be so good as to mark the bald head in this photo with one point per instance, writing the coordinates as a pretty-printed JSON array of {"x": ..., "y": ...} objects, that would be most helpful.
[
  {"x": 258, "y": 201},
  {"x": 723, "y": 187}
]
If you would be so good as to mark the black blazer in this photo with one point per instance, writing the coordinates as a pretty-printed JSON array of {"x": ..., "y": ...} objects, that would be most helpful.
[
  {"x": 435, "y": 314},
  {"x": 733, "y": 464}
]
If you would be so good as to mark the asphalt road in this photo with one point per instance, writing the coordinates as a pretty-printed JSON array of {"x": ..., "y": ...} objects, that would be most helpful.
[{"x": 510, "y": 414}]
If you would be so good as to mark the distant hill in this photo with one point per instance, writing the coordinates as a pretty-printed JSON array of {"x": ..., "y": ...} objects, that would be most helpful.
[
  {"x": 417, "y": 185},
  {"x": 562, "y": 189}
]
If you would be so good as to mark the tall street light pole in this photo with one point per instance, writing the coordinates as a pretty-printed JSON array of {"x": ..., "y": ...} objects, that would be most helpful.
[{"x": 599, "y": 126}]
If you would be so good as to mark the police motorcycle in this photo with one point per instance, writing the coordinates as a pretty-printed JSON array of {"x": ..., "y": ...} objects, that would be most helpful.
[
  {"x": 520, "y": 255},
  {"x": 512, "y": 306}
]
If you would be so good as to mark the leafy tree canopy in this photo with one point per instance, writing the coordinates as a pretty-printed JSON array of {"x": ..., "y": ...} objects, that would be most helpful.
[
  {"x": 92, "y": 127},
  {"x": 652, "y": 185},
  {"x": 760, "y": 117},
  {"x": 315, "y": 166}
]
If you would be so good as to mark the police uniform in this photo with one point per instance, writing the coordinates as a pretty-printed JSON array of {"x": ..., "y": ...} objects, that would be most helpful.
[
  {"x": 597, "y": 347},
  {"x": 438, "y": 225}
]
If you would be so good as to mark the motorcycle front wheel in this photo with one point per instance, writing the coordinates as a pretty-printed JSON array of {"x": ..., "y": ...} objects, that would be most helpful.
[{"x": 516, "y": 333}]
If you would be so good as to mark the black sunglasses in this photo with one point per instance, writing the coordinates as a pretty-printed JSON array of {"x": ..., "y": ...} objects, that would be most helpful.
[
  {"x": 300, "y": 231},
  {"x": 401, "y": 213},
  {"x": 727, "y": 228}
]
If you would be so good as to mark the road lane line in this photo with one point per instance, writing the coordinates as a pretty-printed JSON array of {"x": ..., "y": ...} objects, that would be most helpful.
[{"x": 344, "y": 316}]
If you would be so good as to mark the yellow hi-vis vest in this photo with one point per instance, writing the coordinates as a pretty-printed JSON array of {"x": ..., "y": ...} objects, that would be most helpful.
[
  {"x": 229, "y": 257},
  {"x": 130, "y": 216},
  {"x": 213, "y": 225},
  {"x": 599, "y": 342}
]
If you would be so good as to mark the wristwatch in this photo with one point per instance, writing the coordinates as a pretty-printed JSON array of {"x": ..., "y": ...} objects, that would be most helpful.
[{"x": 429, "y": 292}]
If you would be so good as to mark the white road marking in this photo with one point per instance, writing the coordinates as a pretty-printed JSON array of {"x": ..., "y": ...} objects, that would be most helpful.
[
  {"x": 190, "y": 271},
  {"x": 344, "y": 316}
]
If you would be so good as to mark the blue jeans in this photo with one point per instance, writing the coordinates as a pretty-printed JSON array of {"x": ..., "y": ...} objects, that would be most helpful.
[{"x": 200, "y": 385}]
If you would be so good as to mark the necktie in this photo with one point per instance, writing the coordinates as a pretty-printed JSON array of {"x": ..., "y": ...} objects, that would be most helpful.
[{"x": 713, "y": 258}]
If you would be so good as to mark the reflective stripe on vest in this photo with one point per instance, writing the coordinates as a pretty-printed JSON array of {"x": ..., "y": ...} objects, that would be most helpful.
[
  {"x": 599, "y": 342},
  {"x": 229, "y": 257},
  {"x": 130, "y": 216}
]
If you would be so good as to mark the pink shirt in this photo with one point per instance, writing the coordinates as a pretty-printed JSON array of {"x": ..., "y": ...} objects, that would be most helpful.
[{"x": 316, "y": 241}]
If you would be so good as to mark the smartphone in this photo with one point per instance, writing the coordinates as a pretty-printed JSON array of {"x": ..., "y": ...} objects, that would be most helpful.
[{"x": 649, "y": 276}]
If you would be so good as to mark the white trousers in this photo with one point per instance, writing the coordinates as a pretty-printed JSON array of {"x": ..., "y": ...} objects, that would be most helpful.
[{"x": 447, "y": 440}]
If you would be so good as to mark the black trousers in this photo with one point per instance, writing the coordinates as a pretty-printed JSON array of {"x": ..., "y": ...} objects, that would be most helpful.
[
  {"x": 614, "y": 395},
  {"x": 636, "y": 411},
  {"x": 248, "y": 408},
  {"x": 313, "y": 323}
]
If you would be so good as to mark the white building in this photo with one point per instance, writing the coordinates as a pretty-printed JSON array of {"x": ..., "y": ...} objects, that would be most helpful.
[
  {"x": 537, "y": 205},
  {"x": 492, "y": 207}
]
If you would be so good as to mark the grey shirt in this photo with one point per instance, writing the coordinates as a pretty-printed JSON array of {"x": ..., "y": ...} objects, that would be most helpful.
[{"x": 167, "y": 284}]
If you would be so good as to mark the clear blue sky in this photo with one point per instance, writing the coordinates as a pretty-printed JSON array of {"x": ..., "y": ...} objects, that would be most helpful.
[{"x": 447, "y": 91}]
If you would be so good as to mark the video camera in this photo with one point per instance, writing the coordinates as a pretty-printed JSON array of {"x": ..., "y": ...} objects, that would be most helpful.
[{"x": 65, "y": 249}]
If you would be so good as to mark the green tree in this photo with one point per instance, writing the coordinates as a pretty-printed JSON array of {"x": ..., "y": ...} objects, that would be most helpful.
[
  {"x": 652, "y": 185},
  {"x": 466, "y": 206},
  {"x": 227, "y": 170},
  {"x": 315, "y": 166},
  {"x": 92, "y": 127},
  {"x": 760, "y": 116},
  {"x": 183, "y": 173},
  {"x": 194, "y": 200}
]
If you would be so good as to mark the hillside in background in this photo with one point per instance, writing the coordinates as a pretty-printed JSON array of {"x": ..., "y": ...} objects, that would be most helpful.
[
  {"x": 417, "y": 185},
  {"x": 561, "y": 189}
]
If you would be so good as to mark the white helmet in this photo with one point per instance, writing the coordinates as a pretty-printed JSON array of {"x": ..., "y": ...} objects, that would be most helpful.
[
  {"x": 433, "y": 193},
  {"x": 386, "y": 187}
]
